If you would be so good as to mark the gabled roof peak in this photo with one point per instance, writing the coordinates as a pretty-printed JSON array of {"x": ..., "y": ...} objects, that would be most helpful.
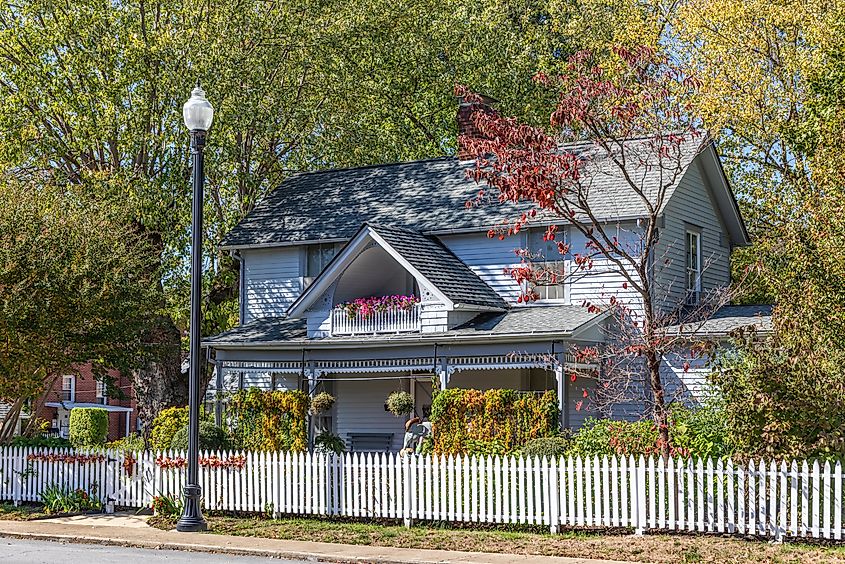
[{"x": 424, "y": 257}]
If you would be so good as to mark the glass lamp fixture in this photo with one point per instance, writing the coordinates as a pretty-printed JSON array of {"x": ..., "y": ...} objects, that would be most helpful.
[{"x": 197, "y": 111}]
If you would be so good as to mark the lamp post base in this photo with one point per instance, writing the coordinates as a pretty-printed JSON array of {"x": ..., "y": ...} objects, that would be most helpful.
[{"x": 192, "y": 520}]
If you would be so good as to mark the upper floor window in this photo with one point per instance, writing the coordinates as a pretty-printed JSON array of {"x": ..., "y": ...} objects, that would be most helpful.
[
  {"x": 316, "y": 259},
  {"x": 546, "y": 257},
  {"x": 68, "y": 387},
  {"x": 101, "y": 392},
  {"x": 693, "y": 266}
]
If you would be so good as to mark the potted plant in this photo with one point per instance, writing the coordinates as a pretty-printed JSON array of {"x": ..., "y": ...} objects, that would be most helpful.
[{"x": 400, "y": 403}]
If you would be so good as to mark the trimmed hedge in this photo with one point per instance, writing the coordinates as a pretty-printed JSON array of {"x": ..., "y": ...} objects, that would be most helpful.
[
  {"x": 491, "y": 422},
  {"x": 88, "y": 426},
  {"x": 212, "y": 437},
  {"x": 270, "y": 421}
]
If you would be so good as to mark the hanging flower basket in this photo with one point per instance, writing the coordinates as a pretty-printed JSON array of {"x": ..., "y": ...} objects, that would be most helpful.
[{"x": 365, "y": 308}]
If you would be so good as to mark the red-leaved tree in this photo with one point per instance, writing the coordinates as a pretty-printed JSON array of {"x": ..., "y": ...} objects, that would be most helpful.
[{"x": 619, "y": 141}]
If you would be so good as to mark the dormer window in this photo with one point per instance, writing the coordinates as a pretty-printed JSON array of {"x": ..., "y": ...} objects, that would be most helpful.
[
  {"x": 316, "y": 259},
  {"x": 546, "y": 256},
  {"x": 693, "y": 254}
]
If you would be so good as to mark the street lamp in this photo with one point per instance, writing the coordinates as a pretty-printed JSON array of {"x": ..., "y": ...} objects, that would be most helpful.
[{"x": 198, "y": 114}]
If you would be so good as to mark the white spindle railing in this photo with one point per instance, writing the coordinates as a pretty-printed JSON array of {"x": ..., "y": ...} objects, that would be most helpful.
[
  {"x": 389, "y": 321},
  {"x": 760, "y": 498}
]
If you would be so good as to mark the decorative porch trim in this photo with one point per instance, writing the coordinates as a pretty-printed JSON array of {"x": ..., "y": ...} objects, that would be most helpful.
[
  {"x": 502, "y": 362},
  {"x": 287, "y": 366},
  {"x": 374, "y": 365}
]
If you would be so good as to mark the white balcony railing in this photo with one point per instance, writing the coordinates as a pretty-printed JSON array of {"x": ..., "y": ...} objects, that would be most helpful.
[{"x": 391, "y": 321}]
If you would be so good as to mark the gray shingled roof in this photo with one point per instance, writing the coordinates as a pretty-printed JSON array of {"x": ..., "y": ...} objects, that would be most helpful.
[
  {"x": 442, "y": 268},
  {"x": 563, "y": 319},
  {"x": 427, "y": 196},
  {"x": 728, "y": 319},
  {"x": 540, "y": 320}
]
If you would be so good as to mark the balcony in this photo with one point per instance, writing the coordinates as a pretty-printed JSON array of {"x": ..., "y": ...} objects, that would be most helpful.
[{"x": 377, "y": 322}]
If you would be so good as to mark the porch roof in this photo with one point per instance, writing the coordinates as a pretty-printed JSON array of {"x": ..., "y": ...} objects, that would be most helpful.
[
  {"x": 73, "y": 404},
  {"x": 522, "y": 323},
  {"x": 726, "y": 320}
]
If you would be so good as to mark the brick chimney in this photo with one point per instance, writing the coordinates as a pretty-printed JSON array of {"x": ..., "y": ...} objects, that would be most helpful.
[{"x": 466, "y": 126}]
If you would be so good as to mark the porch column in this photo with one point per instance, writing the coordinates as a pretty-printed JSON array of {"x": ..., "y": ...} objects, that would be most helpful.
[
  {"x": 443, "y": 373},
  {"x": 312, "y": 375},
  {"x": 562, "y": 391},
  {"x": 218, "y": 393},
  {"x": 128, "y": 415}
]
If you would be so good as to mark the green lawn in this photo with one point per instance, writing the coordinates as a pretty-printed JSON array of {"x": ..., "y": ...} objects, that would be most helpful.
[{"x": 649, "y": 548}]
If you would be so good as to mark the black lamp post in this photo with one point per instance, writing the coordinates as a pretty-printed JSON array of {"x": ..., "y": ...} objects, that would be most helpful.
[{"x": 198, "y": 114}]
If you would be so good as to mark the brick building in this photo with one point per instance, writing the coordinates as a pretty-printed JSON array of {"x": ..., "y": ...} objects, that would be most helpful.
[{"x": 81, "y": 389}]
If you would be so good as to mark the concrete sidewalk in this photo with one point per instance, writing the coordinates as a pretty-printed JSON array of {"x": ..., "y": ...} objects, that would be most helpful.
[{"x": 132, "y": 530}]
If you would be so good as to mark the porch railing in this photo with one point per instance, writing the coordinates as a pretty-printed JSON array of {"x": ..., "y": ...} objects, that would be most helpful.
[{"x": 390, "y": 321}]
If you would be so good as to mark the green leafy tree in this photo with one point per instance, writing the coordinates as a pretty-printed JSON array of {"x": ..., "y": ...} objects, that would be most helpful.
[
  {"x": 91, "y": 92},
  {"x": 73, "y": 289}
]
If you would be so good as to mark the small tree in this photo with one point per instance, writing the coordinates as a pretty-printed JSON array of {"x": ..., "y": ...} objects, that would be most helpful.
[
  {"x": 627, "y": 122},
  {"x": 73, "y": 290}
]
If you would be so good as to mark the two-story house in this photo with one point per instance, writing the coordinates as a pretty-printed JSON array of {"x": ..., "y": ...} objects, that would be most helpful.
[
  {"x": 79, "y": 388},
  {"x": 325, "y": 239}
]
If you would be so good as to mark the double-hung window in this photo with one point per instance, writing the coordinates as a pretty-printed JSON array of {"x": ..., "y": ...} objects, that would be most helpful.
[
  {"x": 316, "y": 258},
  {"x": 69, "y": 387},
  {"x": 549, "y": 264},
  {"x": 102, "y": 397},
  {"x": 693, "y": 267}
]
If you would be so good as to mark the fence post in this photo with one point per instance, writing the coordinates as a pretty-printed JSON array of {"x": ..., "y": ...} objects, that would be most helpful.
[
  {"x": 406, "y": 484},
  {"x": 641, "y": 501},
  {"x": 109, "y": 487},
  {"x": 553, "y": 476},
  {"x": 18, "y": 457}
]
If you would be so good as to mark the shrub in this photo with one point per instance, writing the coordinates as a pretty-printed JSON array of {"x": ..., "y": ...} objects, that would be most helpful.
[
  {"x": 491, "y": 422},
  {"x": 212, "y": 437},
  {"x": 328, "y": 442},
  {"x": 167, "y": 506},
  {"x": 88, "y": 426},
  {"x": 270, "y": 421},
  {"x": 599, "y": 437},
  {"x": 46, "y": 442},
  {"x": 400, "y": 403},
  {"x": 133, "y": 442},
  {"x": 57, "y": 499},
  {"x": 321, "y": 403},
  {"x": 166, "y": 424},
  {"x": 701, "y": 432},
  {"x": 550, "y": 447}
]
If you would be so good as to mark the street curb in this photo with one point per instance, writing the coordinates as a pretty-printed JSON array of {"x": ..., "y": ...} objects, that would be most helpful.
[
  {"x": 202, "y": 548},
  {"x": 461, "y": 557}
]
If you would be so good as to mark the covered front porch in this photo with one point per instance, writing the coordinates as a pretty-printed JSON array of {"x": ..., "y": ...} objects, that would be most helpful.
[{"x": 361, "y": 377}]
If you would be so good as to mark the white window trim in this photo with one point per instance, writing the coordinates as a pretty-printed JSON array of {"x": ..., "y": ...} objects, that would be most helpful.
[
  {"x": 693, "y": 295},
  {"x": 72, "y": 379},
  {"x": 101, "y": 395},
  {"x": 564, "y": 262}
]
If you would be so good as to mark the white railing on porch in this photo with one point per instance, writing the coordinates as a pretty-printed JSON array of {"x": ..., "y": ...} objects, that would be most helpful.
[
  {"x": 390, "y": 321},
  {"x": 765, "y": 499}
]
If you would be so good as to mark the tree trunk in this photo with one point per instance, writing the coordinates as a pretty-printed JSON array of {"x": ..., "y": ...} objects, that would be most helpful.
[
  {"x": 659, "y": 410},
  {"x": 161, "y": 384},
  {"x": 7, "y": 429}
]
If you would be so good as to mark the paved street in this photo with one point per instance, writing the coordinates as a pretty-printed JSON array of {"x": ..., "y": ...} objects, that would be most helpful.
[{"x": 15, "y": 551}]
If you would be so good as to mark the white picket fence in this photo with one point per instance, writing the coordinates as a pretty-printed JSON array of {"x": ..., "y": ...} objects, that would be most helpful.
[{"x": 773, "y": 500}]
